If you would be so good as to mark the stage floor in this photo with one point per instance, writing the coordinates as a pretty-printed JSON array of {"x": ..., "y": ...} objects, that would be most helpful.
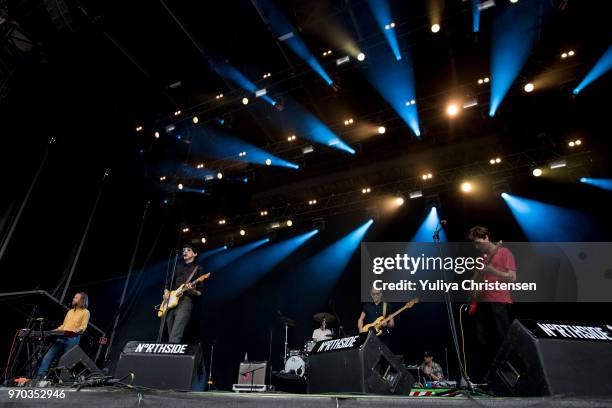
[{"x": 115, "y": 397}]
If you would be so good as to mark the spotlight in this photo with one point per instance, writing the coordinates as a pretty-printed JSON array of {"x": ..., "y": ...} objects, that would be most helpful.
[
  {"x": 242, "y": 232},
  {"x": 381, "y": 130},
  {"x": 513, "y": 1},
  {"x": 570, "y": 53},
  {"x": 169, "y": 128},
  {"x": 219, "y": 96},
  {"x": 537, "y": 172},
  {"x": 307, "y": 149},
  {"x": 157, "y": 135},
  {"x": 365, "y": 190},
  {"x": 348, "y": 122},
  {"x": 268, "y": 162},
  {"x": 529, "y": 87},
  {"x": 492, "y": 161},
  {"x": 139, "y": 128},
  {"x": 312, "y": 202},
  {"x": 203, "y": 240},
  {"x": 578, "y": 142},
  {"x": 195, "y": 119},
  {"x": 219, "y": 175},
  {"x": 222, "y": 221},
  {"x": 496, "y": 160},
  {"x": 480, "y": 81},
  {"x": 399, "y": 201},
  {"x": 245, "y": 101},
  {"x": 180, "y": 186},
  {"x": 427, "y": 176},
  {"x": 389, "y": 26},
  {"x": 185, "y": 229},
  {"x": 486, "y": 80},
  {"x": 435, "y": 28},
  {"x": 571, "y": 144},
  {"x": 291, "y": 138},
  {"x": 410, "y": 102},
  {"x": 289, "y": 223},
  {"x": 361, "y": 56},
  {"x": 178, "y": 112},
  {"x": 564, "y": 55},
  {"x": 452, "y": 110},
  {"x": 318, "y": 224},
  {"x": 466, "y": 187},
  {"x": 263, "y": 213},
  {"x": 415, "y": 194},
  {"x": 557, "y": 164},
  {"x": 162, "y": 178}
]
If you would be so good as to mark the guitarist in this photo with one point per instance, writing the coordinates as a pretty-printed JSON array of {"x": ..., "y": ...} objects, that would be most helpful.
[
  {"x": 372, "y": 311},
  {"x": 491, "y": 308},
  {"x": 178, "y": 318}
]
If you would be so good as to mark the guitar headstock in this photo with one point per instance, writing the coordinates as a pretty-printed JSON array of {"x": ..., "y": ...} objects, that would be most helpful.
[
  {"x": 202, "y": 278},
  {"x": 412, "y": 302}
]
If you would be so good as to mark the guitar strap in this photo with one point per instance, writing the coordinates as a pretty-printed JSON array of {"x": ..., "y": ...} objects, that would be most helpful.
[{"x": 195, "y": 269}]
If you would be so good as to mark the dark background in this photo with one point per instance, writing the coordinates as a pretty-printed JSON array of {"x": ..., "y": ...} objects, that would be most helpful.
[{"x": 79, "y": 87}]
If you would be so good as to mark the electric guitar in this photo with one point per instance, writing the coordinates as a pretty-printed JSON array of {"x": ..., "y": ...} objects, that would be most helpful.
[
  {"x": 175, "y": 296},
  {"x": 377, "y": 324}
]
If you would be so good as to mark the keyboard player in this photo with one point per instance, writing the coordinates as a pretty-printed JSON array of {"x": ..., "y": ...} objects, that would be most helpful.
[{"x": 76, "y": 320}]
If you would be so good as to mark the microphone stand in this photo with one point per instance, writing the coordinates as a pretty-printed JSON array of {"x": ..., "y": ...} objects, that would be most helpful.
[
  {"x": 211, "y": 385},
  {"x": 469, "y": 389}
]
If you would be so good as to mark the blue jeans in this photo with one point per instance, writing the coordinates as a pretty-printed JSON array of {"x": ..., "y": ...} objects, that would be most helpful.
[{"x": 59, "y": 347}]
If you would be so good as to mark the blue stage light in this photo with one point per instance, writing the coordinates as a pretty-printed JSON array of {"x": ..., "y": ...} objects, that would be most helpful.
[
  {"x": 543, "y": 222},
  {"x": 602, "y": 66},
  {"x": 382, "y": 13},
  {"x": 220, "y": 145},
  {"x": 428, "y": 227},
  {"x": 300, "y": 120},
  {"x": 223, "y": 258},
  {"x": 604, "y": 184},
  {"x": 475, "y": 16},
  {"x": 230, "y": 73},
  {"x": 512, "y": 39},
  {"x": 394, "y": 81},
  {"x": 287, "y": 34},
  {"x": 247, "y": 270}
]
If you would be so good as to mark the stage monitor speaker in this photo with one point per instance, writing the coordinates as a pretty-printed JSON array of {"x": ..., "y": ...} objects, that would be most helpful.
[
  {"x": 75, "y": 365},
  {"x": 168, "y": 366},
  {"x": 359, "y": 364},
  {"x": 253, "y": 372},
  {"x": 546, "y": 359}
]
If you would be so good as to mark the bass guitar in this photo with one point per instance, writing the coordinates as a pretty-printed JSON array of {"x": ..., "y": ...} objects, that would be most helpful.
[
  {"x": 175, "y": 296},
  {"x": 377, "y": 324}
]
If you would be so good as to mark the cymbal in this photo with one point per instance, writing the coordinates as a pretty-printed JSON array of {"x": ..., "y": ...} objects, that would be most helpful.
[
  {"x": 328, "y": 317},
  {"x": 286, "y": 320}
]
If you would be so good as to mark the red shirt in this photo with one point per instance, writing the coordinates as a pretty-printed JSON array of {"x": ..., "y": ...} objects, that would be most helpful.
[{"x": 503, "y": 261}]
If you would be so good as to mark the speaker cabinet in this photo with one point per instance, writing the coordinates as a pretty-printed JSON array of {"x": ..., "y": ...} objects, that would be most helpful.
[
  {"x": 359, "y": 364},
  {"x": 546, "y": 359},
  {"x": 163, "y": 365},
  {"x": 75, "y": 365}
]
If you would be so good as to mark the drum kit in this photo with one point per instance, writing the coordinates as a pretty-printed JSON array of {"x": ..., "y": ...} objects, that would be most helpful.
[{"x": 296, "y": 361}]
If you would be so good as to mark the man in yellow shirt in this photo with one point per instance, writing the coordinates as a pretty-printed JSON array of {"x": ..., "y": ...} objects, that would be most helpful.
[{"x": 75, "y": 321}]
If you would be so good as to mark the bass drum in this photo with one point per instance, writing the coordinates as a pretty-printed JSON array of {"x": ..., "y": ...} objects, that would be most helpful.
[{"x": 296, "y": 365}]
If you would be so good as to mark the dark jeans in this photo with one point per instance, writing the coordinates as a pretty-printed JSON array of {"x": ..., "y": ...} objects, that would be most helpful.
[
  {"x": 492, "y": 323},
  {"x": 59, "y": 347},
  {"x": 177, "y": 319}
]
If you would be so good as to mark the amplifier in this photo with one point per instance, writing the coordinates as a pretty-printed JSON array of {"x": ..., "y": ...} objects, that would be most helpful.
[
  {"x": 163, "y": 365},
  {"x": 360, "y": 364},
  {"x": 553, "y": 358},
  {"x": 252, "y": 376}
]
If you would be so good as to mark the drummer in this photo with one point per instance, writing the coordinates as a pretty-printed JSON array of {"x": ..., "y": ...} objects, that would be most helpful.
[{"x": 322, "y": 332}]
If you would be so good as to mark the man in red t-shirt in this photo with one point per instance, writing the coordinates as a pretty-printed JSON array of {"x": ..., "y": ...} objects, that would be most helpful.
[{"x": 492, "y": 307}]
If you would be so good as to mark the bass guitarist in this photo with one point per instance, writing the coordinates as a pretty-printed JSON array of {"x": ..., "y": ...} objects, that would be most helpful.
[
  {"x": 178, "y": 317},
  {"x": 372, "y": 311}
]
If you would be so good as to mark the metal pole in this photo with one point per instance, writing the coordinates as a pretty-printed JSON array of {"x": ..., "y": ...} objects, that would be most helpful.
[
  {"x": 78, "y": 253},
  {"x": 127, "y": 281},
  {"x": 25, "y": 199}
]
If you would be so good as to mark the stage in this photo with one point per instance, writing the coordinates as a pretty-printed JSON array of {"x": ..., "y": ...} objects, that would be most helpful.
[{"x": 114, "y": 397}]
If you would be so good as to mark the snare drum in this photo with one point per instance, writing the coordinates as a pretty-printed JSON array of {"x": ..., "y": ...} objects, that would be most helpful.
[
  {"x": 295, "y": 353},
  {"x": 296, "y": 364}
]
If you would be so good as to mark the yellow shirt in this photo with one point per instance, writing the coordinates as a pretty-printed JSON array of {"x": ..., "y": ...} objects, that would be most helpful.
[{"x": 76, "y": 320}]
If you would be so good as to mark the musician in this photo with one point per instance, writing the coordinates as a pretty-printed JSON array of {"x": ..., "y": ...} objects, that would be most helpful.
[
  {"x": 322, "y": 333},
  {"x": 491, "y": 308},
  {"x": 372, "y": 311},
  {"x": 178, "y": 318},
  {"x": 429, "y": 369},
  {"x": 76, "y": 320}
]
